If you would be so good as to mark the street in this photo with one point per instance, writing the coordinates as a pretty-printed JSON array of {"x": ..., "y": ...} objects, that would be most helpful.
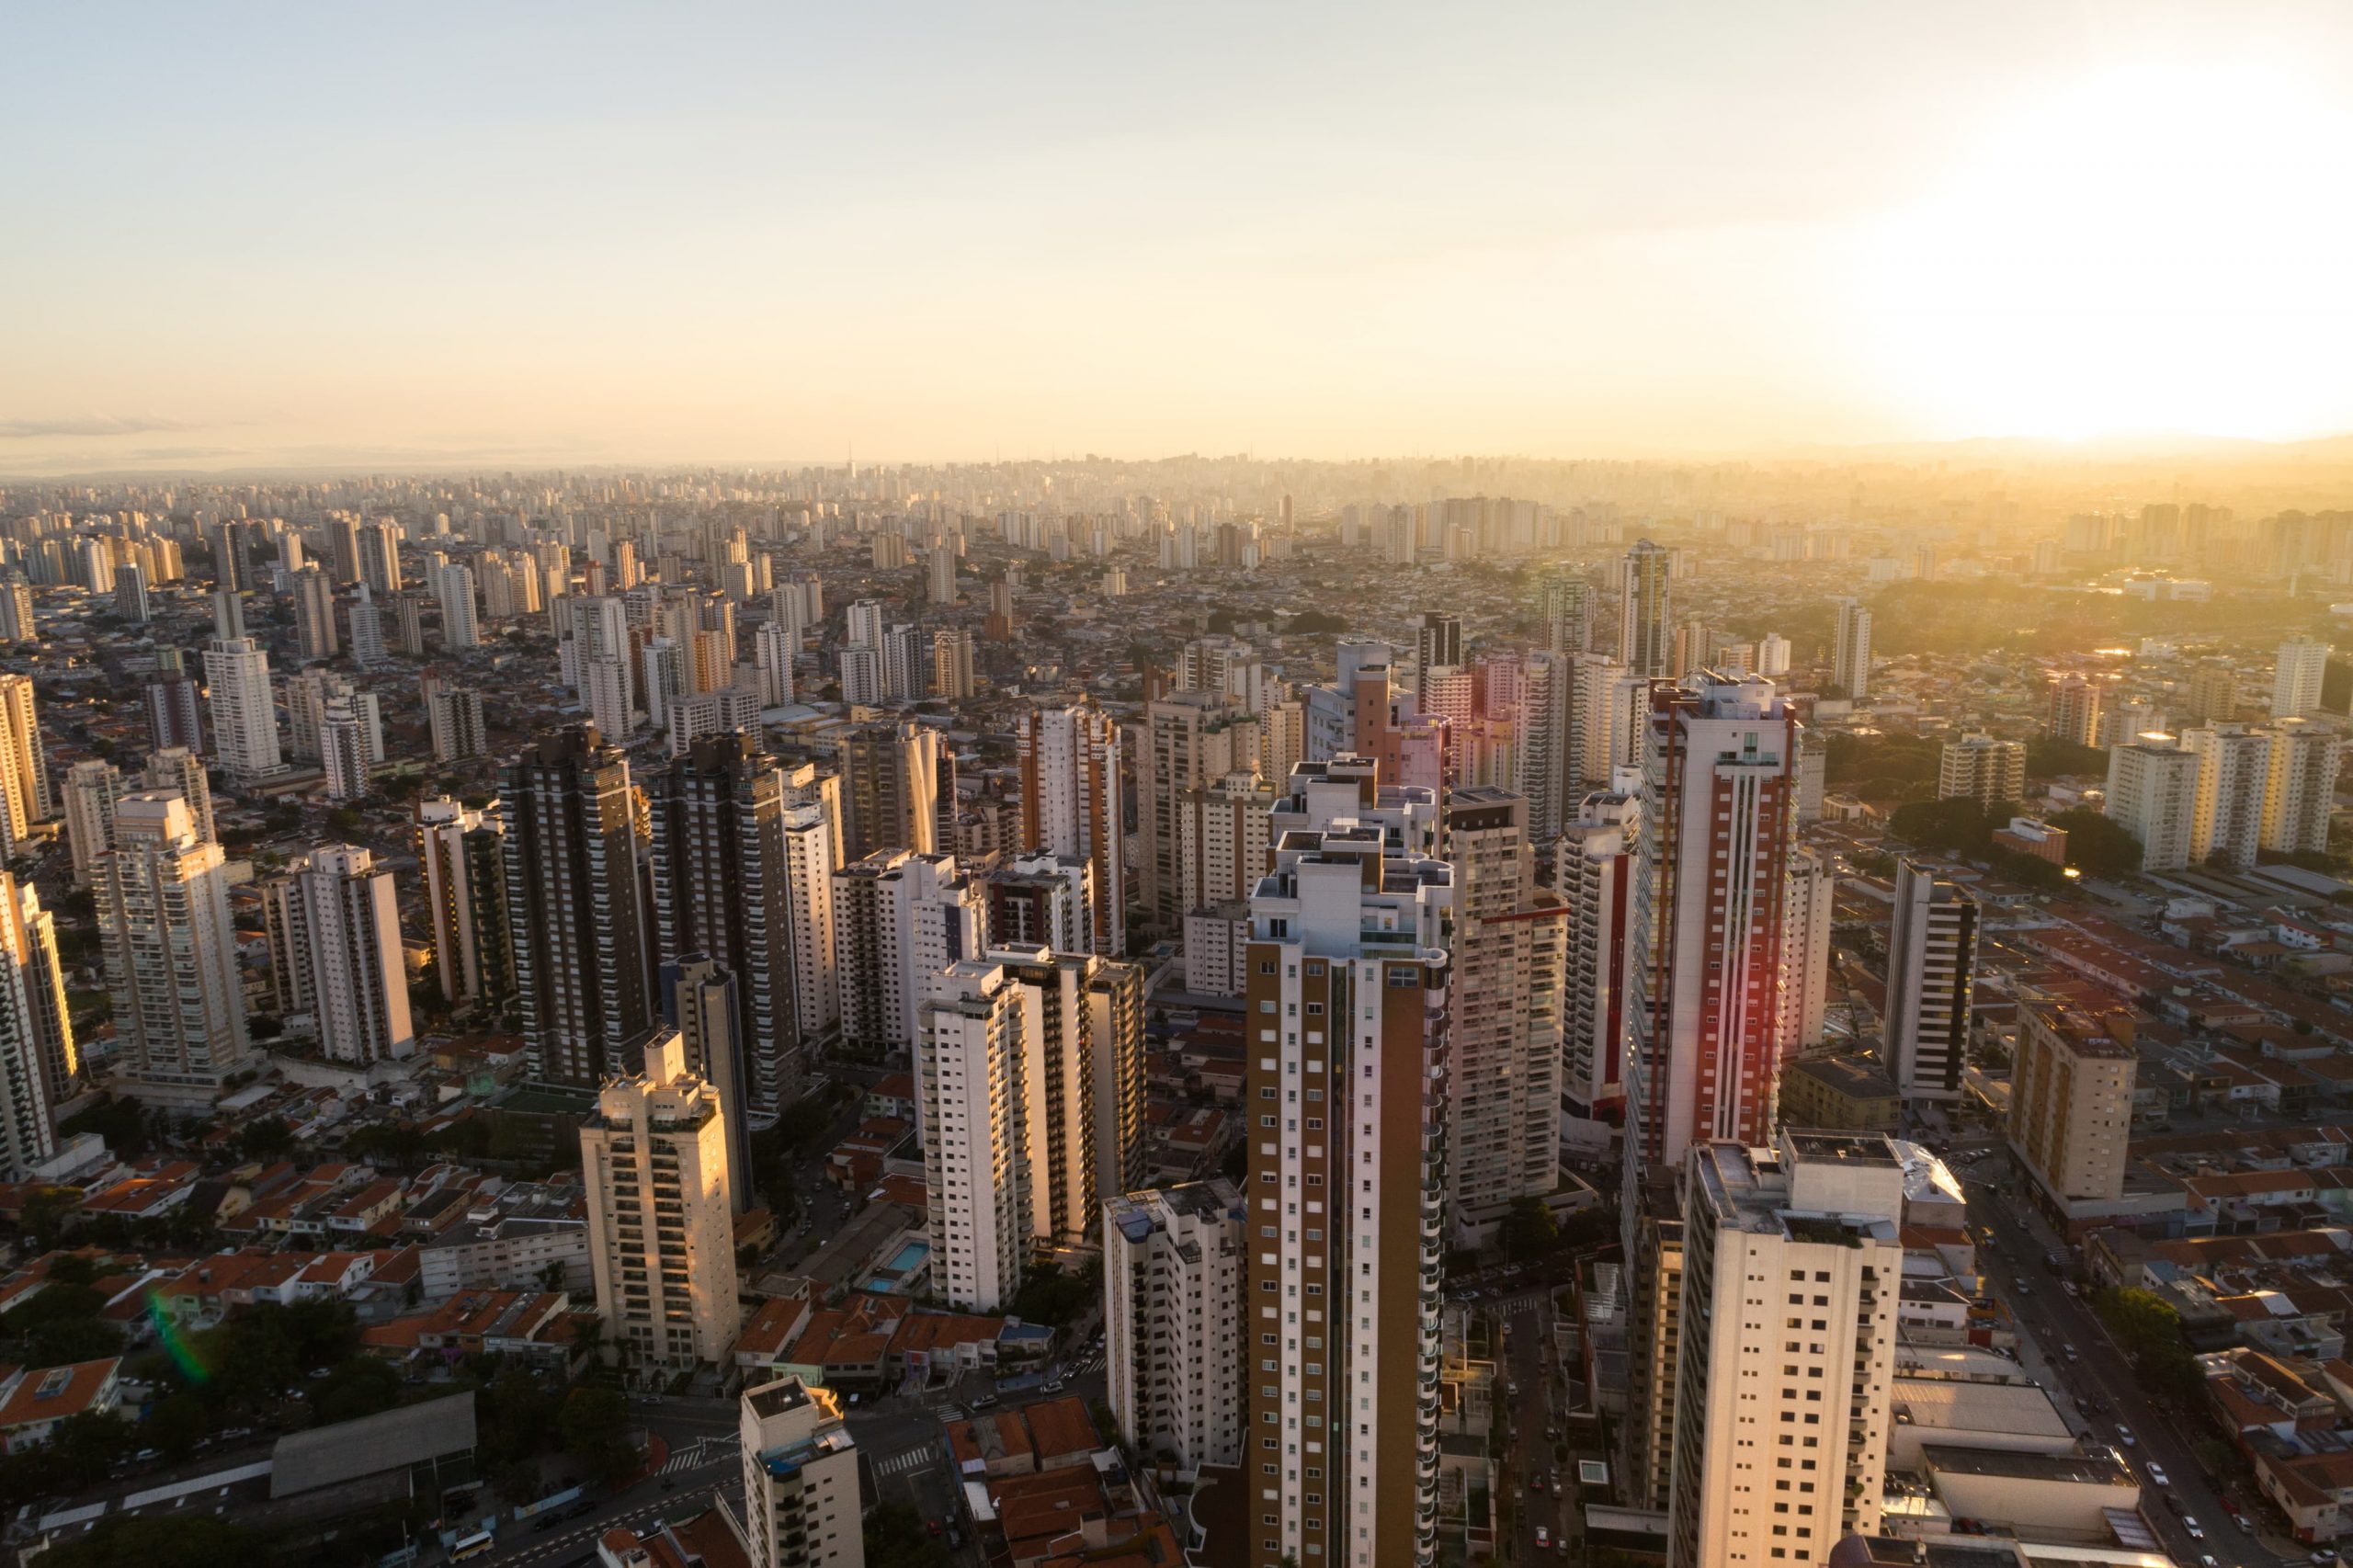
[{"x": 2050, "y": 1320}]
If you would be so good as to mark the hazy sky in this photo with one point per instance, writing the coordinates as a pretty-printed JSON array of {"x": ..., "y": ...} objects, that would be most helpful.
[{"x": 239, "y": 234}]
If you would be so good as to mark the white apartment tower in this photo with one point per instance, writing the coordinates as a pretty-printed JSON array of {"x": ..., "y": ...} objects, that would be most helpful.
[
  {"x": 970, "y": 1113},
  {"x": 1812, "y": 910},
  {"x": 336, "y": 937},
  {"x": 1850, "y": 657},
  {"x": 802, "y": 1506},
  {"x": 170, "y": 953},
  {"x": 1593, "y": 870},
  {"x": 1072, "y": 804},
  {"x": 2152, "y": 795},
  {"x": 91, "y": 788},
  {"x": 1345, "y": 1098},
  {"x": 661, "y": 1230},
  {"x": 1931, "y": 972},
  {"x": 1173, "y": 1262},
  {"x": 453, "y": 584},
  {"x": 1792, "y": 1269},
  {"x": 179, "y": 771},
  {"x": 245, "y": 721},
  {"x": 40, "y": 1021},
  {"x": 2302, "y": 787},
  {"x": 2233, "y": 783},
  {"x": 2296, "y": 677}
]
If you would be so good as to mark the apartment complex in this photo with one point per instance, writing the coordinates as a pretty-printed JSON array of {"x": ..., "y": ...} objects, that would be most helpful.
[
  {"x": 2071, "y": 1102},
  {"x": 1593, "y": 869},
  {"x": 1072, "y": 805},
  {"x": 661, "y": 1230},
  {"x": 1931, "y": 970},
  {"x": 171, "y": 954},
  {"x": 803, "y": 1504},
  {"x": 1345, "y": 1092},
  {"x": 971, "y": 1103},
  {"x": 1172, "y": 1320},
  {"x": 1792, "y": 1271},
  {"x": 1981, "y": 768}
]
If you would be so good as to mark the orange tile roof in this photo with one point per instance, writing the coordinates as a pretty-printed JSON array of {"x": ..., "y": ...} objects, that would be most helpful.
[{"x": 79, "y": 1390}]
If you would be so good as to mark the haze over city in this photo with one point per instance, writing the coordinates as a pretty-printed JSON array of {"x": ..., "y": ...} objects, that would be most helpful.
[{"x": 446, "y": 235}]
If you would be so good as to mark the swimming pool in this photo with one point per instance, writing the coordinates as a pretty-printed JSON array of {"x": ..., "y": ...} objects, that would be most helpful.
[{"x": 907, "y": 1257}]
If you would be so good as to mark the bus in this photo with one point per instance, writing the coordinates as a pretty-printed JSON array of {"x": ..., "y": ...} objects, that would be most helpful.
[{"x": 474, "y": 1545}]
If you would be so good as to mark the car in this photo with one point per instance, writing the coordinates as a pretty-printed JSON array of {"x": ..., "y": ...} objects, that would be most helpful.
[
  {"x": 1536, "y": 1484},
  {"x": 2206, "y": 1560},
  {"x": 1515, "y": 1390},
  {"x": 2246, "y": 1526},
  {"x": 319, "y": 1374},
  {"x": 982, "y": 1401},
  {"x": 2181, "y": 1509},
  {"x": 2189, "y": 1523},
  {"x": 955, "y": 1536},
  {"x": 2326, "y": 1555},
  {"x": 2070, "y": 1353},
  {"x": 1052, "y": 1385},
  {"x": 2124, "y": 1435},
  {"x": 2023, "y": 1288},
  {"x": 1543, "y": 1538},
  {"x": 145, "y": 1455},
  {"x": 2158, "y": 1473},
  {"x": 937, "y": 1526}
]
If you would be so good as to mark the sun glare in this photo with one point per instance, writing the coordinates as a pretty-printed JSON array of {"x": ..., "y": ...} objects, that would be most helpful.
[{"x": 2151, "y": 251}]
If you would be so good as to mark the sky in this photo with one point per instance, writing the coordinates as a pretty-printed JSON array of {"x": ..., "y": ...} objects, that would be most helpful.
[{"x": 249, "y": 235}]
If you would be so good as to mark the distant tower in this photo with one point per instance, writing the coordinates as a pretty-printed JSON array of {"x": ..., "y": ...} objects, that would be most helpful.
[
  {"x": 1851, "y": 661},
  {"x": 1645, "y": 637},
  {"x": 1931, "y": 967},
  {"x": 171, "y": 951}
]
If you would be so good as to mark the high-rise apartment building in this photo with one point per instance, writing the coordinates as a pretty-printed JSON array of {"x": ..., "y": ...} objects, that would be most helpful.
[
  {"x": 173, "y": 717},
  {"x": 951, "y": 665},
  {"x": 1041, "y": 901},
  {"x": 1706, "y": 1010},
  {"x": 245, "y": 720},
  {"x": 453, "y": 584},
  {"x": 1346, "y": 1006},
  {"x": 171, "y": 954},
  {"x": 1438, "y": 644},
  {"x": 40, "y": 1017},
  {"x": 2213, "y": 695},
  {"x": 314, "y": 631},
  {"x": 702, "y": 1002},
  {"x": 1645, "y": 636},
  {"x": 1188, "y": 739},
  {"x": 1593, "y": 868},
  {"x": 892, "y": 785},
  {"x": 1792, "y": 1272},
  {"x": 1072, "y": 804},
  {"x": 803, "y": 1504},
  {"x": 1221, "y": 839},
  {"x": 861, "y": 671},
  {"x": 970, "y": 1114},
  {"x": 176, "y": 770},
  {"x": 1172, "y": 1263},
  {"x": 1510, "y": 949},
  {"x": 2071, "y": 1102},
  {"x": 343, "y": 748},
  {"x": 91, "y": 789},
  {"x": 907, "y": 663},
  {"x": 1850, "y": 654},
  {"x": 661, "y": 1230},
  {"x": 900, "y": 918},
  {"x": 2152, "y": 795},
  {"x": 379, "y": 549},
  {"x": 1981, "y": 768},
  {"x": 2234, "y": 782},
  {"x": 1931, "y": 972},
  {"x": 335, "y": 942},
  {"x": 463, "y": 852},
  {"x": 2296, "y": 677},
  {"x": 2075, "y": 712},
  {"x": 810, "y": 847},
  {"x": 38, "y": 1066},
  {"x": 575, "y": 907},
  {"x": 2300, "y": 790},
  {"x": 722, "y": 888}
]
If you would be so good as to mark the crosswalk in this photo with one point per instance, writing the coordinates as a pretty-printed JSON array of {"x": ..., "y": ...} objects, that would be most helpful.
[
  {"x": 699, "y": 1453},
  {"x": 1093, "y": 1363},
  {"x": 899, "y": 1464}
]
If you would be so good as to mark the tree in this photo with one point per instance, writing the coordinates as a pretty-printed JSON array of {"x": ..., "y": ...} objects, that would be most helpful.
[
  {"x": 119, "y": 1122},
  {"x": 594, "y": 1425},
  {"x": 2098, "y": 846},
  {"x": 2047, "y": 756},
  {"x": 266, "y": 1139},
  {"x": 896, "y": 1538},
  {"x": 175, "y": 1426},
  {"x": 1527, "y": 1229},
  {"x": 361, "y": 1386},
  {"x": 2148, "y": 1330}
]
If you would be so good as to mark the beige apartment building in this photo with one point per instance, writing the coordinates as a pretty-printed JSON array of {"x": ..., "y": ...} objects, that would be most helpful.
[
  {"x": 2071, "y": 1102},
  {"x": 661, "y": 1228}
]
